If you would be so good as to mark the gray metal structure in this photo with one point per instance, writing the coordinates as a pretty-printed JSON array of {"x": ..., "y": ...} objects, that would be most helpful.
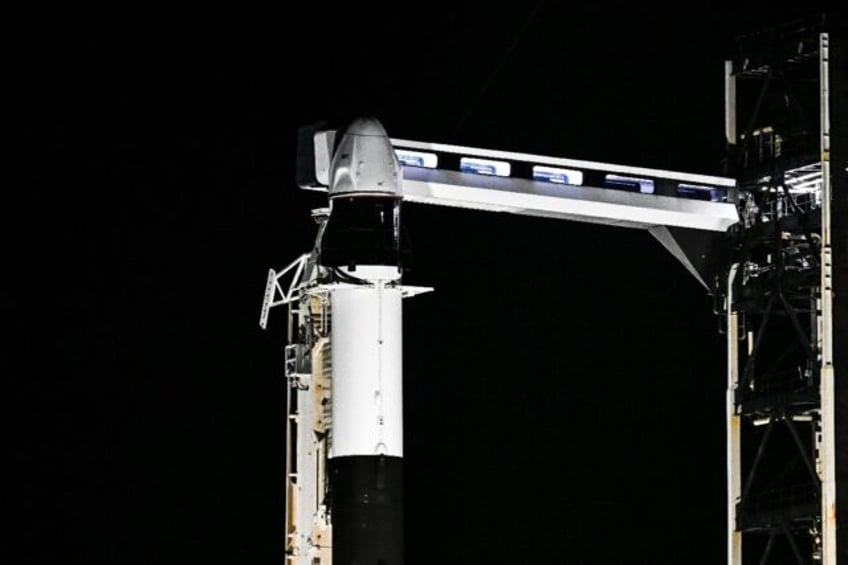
[{"x": 780, "y": 303}]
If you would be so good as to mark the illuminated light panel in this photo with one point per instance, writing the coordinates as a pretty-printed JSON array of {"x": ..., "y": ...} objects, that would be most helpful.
[
  {"x": 409, "y": 158},
  {"x": 700, "y": 191},
  {"x": 643, "y": 185},
  {"x": 557, "y": 176},
  {"x": 484, "y": 167}
]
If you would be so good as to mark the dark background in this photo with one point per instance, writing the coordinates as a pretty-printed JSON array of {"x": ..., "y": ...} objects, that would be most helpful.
[{"x": 564, "y": 384}]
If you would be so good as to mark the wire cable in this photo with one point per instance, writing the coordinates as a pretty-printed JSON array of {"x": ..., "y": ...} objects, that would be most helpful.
[{"x": 510, "y": 48}]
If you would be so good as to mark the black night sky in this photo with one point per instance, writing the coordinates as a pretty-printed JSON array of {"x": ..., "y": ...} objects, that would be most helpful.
[{"x": 564, "y": 384}]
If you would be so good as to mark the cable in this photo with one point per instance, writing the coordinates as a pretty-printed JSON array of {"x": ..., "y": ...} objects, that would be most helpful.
[{"x": 510, "y": 48}]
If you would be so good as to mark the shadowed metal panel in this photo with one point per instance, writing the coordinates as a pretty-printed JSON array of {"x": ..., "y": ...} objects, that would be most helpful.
[{"x": 367, "y": 497}]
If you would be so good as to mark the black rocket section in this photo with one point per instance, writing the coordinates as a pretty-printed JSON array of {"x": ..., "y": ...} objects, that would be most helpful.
[
  {"x": 362, "y": 230},
  {"x": 367, "y": 503}
]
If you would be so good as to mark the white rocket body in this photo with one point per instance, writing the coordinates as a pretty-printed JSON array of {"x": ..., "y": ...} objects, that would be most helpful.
[
  {"x": 367, "y": 371},
  {"x": 360, "y": 246},
  {"x": 345, "y": 411}
]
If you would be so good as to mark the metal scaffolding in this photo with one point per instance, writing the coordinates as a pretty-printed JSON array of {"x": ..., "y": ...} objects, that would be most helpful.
[{"x": 778, "y": 297}]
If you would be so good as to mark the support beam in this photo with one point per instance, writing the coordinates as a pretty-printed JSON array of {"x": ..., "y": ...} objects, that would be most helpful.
[
  {"x": 802, "y": 450},
  {"x": 758, "y": 342},
  {"x": 768, "y": 549},
  {"x": 793, "y": 543},
  {"x": 827, "y": 381},
  {"x": 760, "y": 451},
  {"x": 733, "y": 426},
  {"x": 803, "y": 338}
]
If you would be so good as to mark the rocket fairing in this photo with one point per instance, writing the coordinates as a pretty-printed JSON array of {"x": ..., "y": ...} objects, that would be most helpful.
[{"x": 360, "y": 245}]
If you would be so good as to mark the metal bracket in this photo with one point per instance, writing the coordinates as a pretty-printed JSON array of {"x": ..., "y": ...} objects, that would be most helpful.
[{"x": 273, "y": 288}]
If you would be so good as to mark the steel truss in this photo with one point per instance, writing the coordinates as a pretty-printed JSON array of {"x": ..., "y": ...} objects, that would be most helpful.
[{"x": 777, "y": 311}]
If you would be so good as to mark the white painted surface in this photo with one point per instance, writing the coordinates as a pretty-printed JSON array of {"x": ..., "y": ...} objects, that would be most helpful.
[
  {"x": 365, "y": 162},
  {"x": 578, "y": 203},
  {"x": 307, "y": 526},
  {"x": 733, "y": 426},
  {"x": 367, "y": 371},
  {"x": 560, "y": 162},
  {"x": 828, "y": 376}
]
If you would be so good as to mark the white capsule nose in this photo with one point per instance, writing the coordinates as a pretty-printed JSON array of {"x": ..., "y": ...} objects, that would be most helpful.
[
  {"x": 366, "y": 126},
  {"x": 364, "y": 162}
]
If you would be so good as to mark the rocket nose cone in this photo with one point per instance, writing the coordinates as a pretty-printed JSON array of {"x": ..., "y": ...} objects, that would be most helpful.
[
  {"x": 364, "y": 161},
  {"x": 366, "y": 126}
]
